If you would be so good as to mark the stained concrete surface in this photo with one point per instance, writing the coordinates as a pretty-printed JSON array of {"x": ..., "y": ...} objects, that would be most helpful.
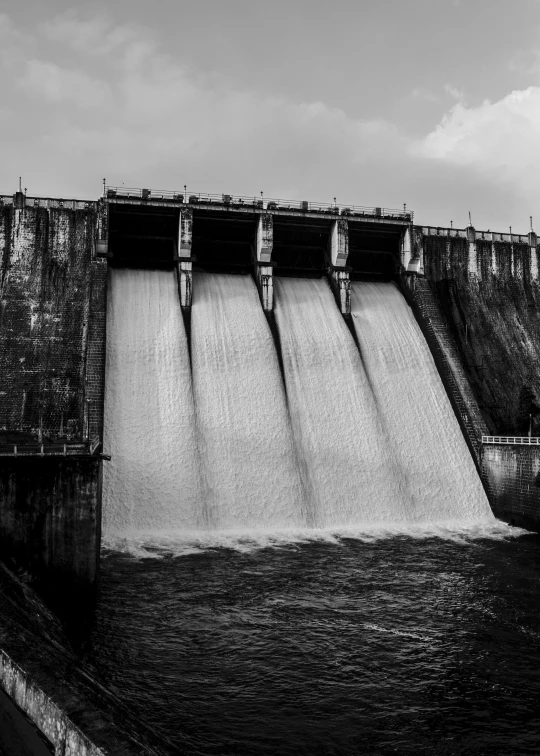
[{"x": 18, "y": 736}]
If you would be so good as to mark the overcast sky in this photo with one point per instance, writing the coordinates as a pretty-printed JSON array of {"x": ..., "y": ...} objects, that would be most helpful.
[{"x": 435, "y": 103}]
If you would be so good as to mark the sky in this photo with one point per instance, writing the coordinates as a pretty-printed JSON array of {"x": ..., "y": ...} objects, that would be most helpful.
[{"x": 432, "y": 103}]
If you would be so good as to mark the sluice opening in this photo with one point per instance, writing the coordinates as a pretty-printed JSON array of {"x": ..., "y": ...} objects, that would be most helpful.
[
  {"x": 374, "y": 252},
  {"x": 143, "y": 237},
  {"x": 300, "y": 246},
  {"x": 223, "y": 242}
]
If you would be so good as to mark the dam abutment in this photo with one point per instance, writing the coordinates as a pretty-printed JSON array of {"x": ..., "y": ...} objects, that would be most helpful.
[{"x": 52, "y": 359}]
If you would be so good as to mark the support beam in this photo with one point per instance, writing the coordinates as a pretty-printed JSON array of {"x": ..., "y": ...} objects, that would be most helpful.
[
  {"x": 415, "y": 262},
  {"x": 342, "y": 288},
  {"x": 184, "y": 261},
  {"x": 265, "y": 237},
  {"x": 266, "y": 286},
  {"x": 264, "y": 246},
  {"x": 184, "y": 272},
  {"x": 406, "y": 248},
  {"x": 338, "y": 252},
  {"x": 533, "y": 243},
  {"x": 185, "y": 232},
  {"x": 473, "y": 260},
  {"x": 339, "y": 243},
  {"x": 102, "y": 231}
]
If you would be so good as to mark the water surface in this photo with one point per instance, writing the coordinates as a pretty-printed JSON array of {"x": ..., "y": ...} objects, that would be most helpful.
[{"x": 334, "y": 646}]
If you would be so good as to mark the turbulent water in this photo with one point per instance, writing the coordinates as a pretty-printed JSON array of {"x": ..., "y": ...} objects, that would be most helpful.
[
  {"x": 306, "y": 562},
  {"x": 330, "y": 648}
]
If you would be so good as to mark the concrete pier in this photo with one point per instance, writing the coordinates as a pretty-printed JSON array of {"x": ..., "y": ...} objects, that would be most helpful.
[
  {"x": 339, "y": 253},
  {"x": 264, "y": 246}
]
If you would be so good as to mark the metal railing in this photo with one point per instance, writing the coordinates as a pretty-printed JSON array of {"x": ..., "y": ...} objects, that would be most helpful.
[
  {"x": 492, "y": 236},
  {"x": 50, "y": 449},
  {"x": 264, "y": 203},
  {"x": 50, "y": 202},
  {"x": 514, "y": 440}
]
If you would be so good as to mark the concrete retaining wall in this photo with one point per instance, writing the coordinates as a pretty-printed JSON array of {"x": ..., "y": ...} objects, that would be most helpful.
[
  {"x": 491, "y": 301},
  {"x": 50, "y": 515},
  {"x": 488, "y": 295},
  {"x": 43, "y": 676},
  {"x": 45, "y": 290},
  {"x": 66, "y": 738},
  {"x": 52, "y": 369},
  {"x": 512, "y": 477}
]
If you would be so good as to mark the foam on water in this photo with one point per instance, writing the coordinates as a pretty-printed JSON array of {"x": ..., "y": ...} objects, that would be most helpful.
[
  {"x": 251, "y": 478},
  {"x": 152, "y": 480},
  {"x": 162, "y": 545},
  {"x": 415, "y": 409},
  {"x": 346, "y": 454}
]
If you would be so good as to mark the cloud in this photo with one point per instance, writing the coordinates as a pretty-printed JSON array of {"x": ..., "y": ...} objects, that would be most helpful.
[
  {"x": 107, "y": 95},
  {"x": 457, "y": 94},
  {"x": 424, "y": 94},
  {"x": 500, "y": 140},
  {"x": 85, "y": 97}
]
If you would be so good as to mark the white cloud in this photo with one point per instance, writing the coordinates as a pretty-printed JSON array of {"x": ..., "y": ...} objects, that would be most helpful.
[
  {"x": 501, "y": 140},
  {"x": 56, "y": 84},
  {"x": 457, "y": 94}
]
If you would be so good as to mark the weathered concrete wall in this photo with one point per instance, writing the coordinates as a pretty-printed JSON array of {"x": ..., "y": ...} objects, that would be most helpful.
[
  {"x": 45, "y": 278},
  {"x": 512, "y": 477},
  {"x": 52, "y": 370},
  {"x": 487, "y": 294},
  {"x": 50, "y": 517},
  {"x": 492, "y": 305}
]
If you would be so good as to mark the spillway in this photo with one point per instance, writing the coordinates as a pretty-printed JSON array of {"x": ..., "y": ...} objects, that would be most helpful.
[
  {"x": 346, "y": 437},
  {"x": 248, "y": 459},
  {"x": 151, "y": 483},
  {"x": 414, "y": 407},
  {"x": 346, "y": 454}
]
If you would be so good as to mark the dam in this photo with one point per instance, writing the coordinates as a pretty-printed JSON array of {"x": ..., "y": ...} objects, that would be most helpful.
[{"x": 186, "y": 370}]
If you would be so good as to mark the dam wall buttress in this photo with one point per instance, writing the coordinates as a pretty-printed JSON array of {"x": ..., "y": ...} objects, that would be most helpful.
[{"x": 52, "y": 355}]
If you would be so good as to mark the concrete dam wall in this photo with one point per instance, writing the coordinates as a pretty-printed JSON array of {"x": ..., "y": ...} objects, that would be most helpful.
[
  {"x": 487, "y": 290},
  {"x": 240, "y": 364},
  {"x": 52, "y": 350},
  {"x": 474, "y": 299}
]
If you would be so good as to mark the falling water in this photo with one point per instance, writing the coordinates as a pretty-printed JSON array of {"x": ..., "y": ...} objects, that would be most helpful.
[
  {"x": 151, "y": 483},
  {"x": 248, "y": 459},
  {"x": 355, "y": 438},
  {"x": 415, "y": 409},
  {"x": 347, "y": 456}
]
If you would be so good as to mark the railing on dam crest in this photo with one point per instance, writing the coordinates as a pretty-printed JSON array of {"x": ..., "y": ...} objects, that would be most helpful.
[
  {"x": 512, "y": 440},
  {"x": 266, "y": 203}
]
